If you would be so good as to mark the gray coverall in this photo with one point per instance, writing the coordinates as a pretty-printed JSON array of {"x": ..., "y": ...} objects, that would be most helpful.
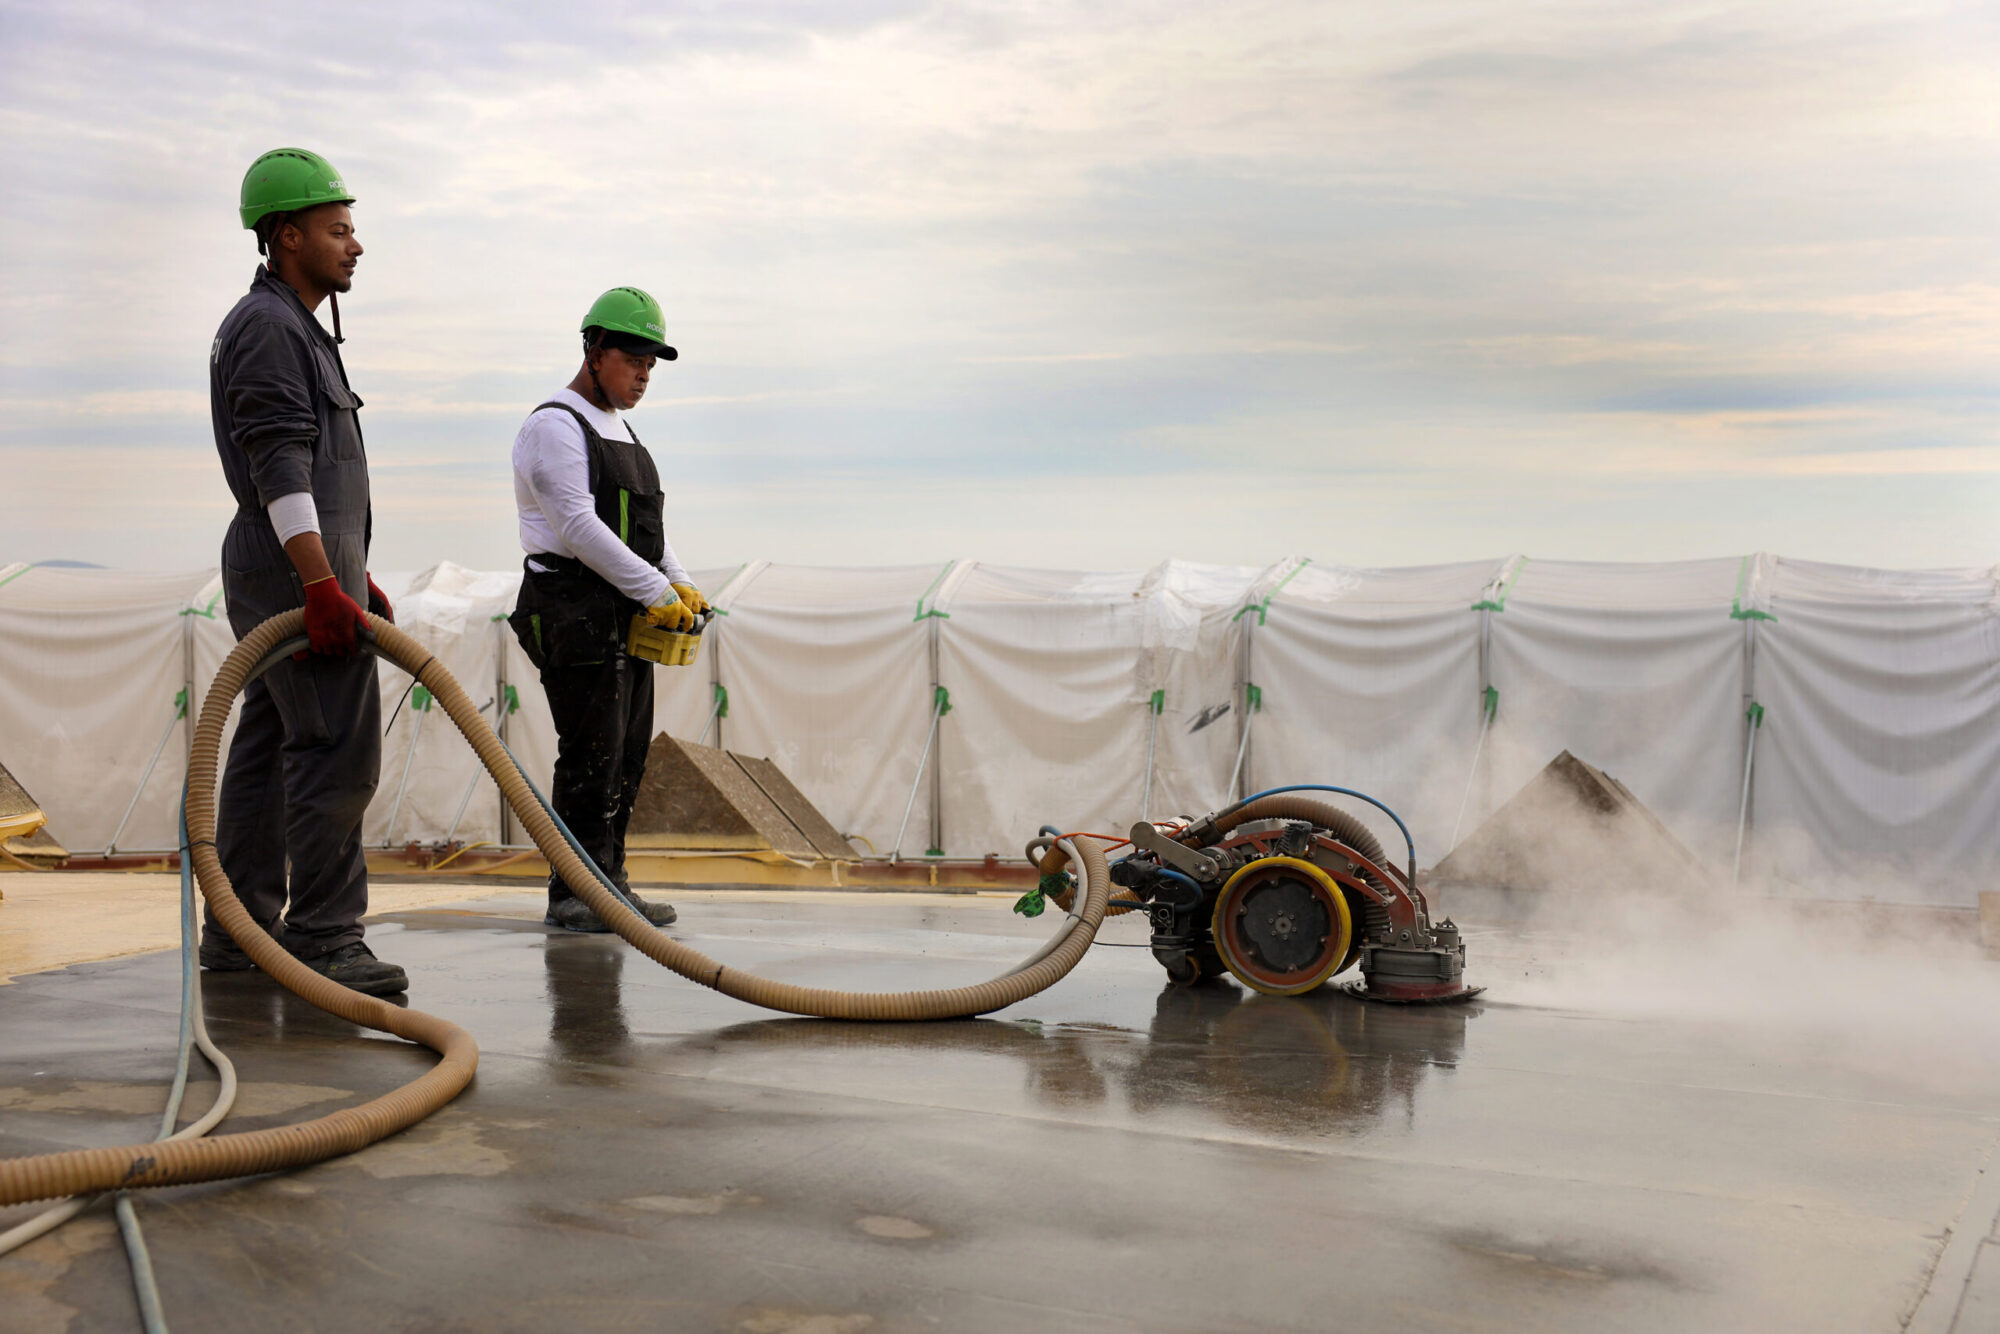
[{"x": 308, "y": 748}]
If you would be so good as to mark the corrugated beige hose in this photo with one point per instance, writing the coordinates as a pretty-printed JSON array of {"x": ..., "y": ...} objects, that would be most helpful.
[{"x": 173, "y": 1162}]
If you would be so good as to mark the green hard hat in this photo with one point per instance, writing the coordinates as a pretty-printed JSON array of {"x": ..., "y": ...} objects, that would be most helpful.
[
  {"x": 286, "y": 180},
  {"x": 629, "y": 311}
]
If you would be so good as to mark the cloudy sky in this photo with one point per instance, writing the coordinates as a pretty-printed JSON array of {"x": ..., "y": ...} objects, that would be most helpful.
[{"x": 1050, "y": 284}]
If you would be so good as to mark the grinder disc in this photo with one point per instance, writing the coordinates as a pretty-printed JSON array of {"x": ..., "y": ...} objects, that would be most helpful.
[
  {"x": 1362, "y": 991},
  {"x": 1282, "y": 926}
]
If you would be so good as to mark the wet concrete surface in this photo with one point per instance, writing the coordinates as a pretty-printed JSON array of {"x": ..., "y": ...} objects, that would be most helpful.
[{"x": 639, "y": 1153}]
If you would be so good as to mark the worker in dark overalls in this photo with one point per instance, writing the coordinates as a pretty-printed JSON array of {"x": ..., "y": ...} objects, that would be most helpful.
[
  {"x": 308, "y": 746},
  {"x": 597, "y": 555}
]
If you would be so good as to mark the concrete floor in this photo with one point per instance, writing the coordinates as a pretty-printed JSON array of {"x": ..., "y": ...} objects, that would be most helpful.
[{"x": 639, "y": 1153}]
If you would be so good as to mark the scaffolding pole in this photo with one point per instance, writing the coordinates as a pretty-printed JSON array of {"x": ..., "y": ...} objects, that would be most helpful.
[
  {"x": 1154, "y": 707},
  {"x": 180, "y": 712},
  {"x": 940, "y": 706},
  {"x": 420, "y": 704},
  {"x": 1754, "y": 722},
  {"x": 501, "y": 690}
]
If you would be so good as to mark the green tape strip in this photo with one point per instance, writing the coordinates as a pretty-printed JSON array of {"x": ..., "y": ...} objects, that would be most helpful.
[
  {"x": 941, "y": 701},
  {"x": 721, "y": 701},
  {"x": 1755, "y": 713},
  {"x": 180, "y": 703},
  {"x": 208, "y": 611},
  {"x": 420, "y": 699},
  {"x": 1253, "y": 697},
  {"x": 1263, "y": 609},
  {"x": 513, "y": 698},
  {"x": 1159, "y": 702},
  {"x": 1491, "y": 701},
  {"x": 1736, "y": 610},
  {"x": 1500, "y": 603},
  {"x": 922, "y": 613}
]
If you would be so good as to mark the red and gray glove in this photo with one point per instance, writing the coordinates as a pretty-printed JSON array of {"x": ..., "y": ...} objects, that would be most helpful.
[
  {"x": 378, "y": 602},
  {"x": 332, "y": 617}
]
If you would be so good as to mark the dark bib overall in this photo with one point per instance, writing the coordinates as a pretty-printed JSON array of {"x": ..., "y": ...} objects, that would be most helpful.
[
  {"x": 567, "y": 614},
  {"x": 572, "y": 624}
]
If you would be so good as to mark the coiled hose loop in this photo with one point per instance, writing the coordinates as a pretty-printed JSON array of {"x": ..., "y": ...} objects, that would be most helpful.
[{"x": 218, "y": 1157}]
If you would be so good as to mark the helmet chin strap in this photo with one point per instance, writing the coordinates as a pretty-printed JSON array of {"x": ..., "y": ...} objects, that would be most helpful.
[
  {"x": 271, "y": 263},
  {"x": 591, "y": 351}
]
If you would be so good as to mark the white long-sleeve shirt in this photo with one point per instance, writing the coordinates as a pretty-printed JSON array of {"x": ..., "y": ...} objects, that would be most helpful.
[{"x": 558, "y": 514}]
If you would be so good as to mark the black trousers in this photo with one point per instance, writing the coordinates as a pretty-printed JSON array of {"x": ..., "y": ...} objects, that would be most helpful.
[
  {"x": 604, "y": 723},
  {"x": 301, "y": 771}
]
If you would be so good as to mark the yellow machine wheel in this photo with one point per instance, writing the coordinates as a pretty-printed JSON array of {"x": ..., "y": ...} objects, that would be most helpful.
[{"x": 1282, "y": 926}]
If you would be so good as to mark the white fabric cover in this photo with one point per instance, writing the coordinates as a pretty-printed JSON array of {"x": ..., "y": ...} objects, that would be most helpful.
[
  {"x": 1370, "y": 680},
  {"x": 828, "y": 676},
  {"x": 89, "y": 667},
  {"x": 452, "y": 612},
  {"x": 1877, "y": 769},
  {"x": 1052, "y": 673},
  {"x": 1640, "y": 672}
]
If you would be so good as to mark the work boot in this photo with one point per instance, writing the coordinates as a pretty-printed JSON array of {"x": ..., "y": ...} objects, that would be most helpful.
[
  {"x": 659, "y": 914},
  {"x": 573, "y": 914},
  {"x": 356, "y": 966},
  {"x": 221, "y": 954}
]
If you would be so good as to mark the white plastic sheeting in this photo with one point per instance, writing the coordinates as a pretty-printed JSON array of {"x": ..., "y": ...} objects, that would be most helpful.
[
  {"x": 1641, "y": 672},
  {"x": 1877, "y": 769},
  {"x": 1370, "y": 679},
  {"x": 827, "y": 674},
  {"x": 1053, "y": 673},
  {"x": 90, "y": 669}
]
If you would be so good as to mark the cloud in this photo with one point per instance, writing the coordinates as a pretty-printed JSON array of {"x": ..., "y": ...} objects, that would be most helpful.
[{"x": 910, "y": 250}]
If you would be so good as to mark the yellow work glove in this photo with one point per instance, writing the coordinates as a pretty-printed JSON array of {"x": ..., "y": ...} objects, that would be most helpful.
[
  {"x": 691, "y": 598},
  {"x": 670, "y": 612}
]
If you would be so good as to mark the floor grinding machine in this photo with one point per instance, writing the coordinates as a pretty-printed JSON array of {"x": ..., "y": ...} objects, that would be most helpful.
[{"x": 1284, "y": 892}]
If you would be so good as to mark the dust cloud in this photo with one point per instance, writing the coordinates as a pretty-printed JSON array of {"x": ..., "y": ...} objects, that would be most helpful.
[{"x": 1845, "y": 971}]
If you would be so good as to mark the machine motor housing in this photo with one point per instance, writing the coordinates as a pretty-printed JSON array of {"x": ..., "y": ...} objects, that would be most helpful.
[{"x": 1284, "y": 904}]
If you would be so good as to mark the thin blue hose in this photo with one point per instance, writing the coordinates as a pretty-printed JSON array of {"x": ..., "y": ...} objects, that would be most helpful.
[
  {"x": 1408, "y": 842},
  {"x": 152, "y": 1312},
  {"x": 568, "y": 837}
]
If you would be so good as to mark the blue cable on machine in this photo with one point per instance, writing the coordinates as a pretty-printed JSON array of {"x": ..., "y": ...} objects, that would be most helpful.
[{"x": 1408, "y": 842}]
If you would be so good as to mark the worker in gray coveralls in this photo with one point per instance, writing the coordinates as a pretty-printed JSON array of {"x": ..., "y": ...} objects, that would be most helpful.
[{"x": 308, "y": 749}]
